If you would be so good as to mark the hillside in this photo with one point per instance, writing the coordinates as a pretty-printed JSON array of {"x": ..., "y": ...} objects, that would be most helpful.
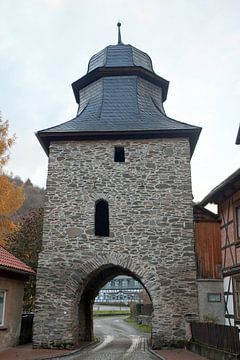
[{"x": 34, "y": 196}]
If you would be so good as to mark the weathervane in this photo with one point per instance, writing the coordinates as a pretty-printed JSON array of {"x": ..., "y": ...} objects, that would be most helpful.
[{"x": 119, "y": 33}]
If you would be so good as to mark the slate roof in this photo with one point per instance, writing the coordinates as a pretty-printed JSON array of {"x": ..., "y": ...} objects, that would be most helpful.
[
  {"x": 10, "y": 262},
  {"x": 120, "y": 55},
  {"x": 120, "y": 96},
  {"x": 224, "y": 190}
]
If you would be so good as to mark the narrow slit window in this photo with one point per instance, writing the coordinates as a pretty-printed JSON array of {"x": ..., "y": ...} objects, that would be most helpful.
[
  {"x": 119, "y": 154},
  {"x": 101, "y": 218}
]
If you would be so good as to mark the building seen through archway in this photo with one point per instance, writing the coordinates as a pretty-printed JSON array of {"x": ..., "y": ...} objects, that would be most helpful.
[{"x": 121, "y": 290}]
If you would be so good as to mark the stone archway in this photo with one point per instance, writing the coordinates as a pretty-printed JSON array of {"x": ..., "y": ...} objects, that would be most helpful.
[
  {"x": 96, "y": 282},
  {"x": 98, "y": 272}
]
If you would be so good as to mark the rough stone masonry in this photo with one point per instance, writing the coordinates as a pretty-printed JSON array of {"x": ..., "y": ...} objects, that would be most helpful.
[{"x": 151, "y": 233}]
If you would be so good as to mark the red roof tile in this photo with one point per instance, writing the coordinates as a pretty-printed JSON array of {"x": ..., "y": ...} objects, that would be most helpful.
[{"x": 9, "y": 261}]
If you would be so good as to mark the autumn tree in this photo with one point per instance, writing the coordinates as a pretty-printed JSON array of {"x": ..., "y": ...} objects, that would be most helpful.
[
  {"x": 25, "y": 243},
  {"x": 11, "y": 195}
]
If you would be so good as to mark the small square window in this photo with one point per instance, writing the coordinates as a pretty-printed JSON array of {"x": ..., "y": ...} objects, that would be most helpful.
[
  {"x": 214, "y": 297},
  {"x": 119, "y": 154}
]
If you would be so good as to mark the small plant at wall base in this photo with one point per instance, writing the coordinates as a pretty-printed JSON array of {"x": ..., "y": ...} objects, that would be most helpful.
[
  {"x": 145, "y": 328},
  {"x": 208, "y": 318}
]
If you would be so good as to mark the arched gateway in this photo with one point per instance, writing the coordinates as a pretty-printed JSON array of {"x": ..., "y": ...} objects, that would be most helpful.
[{"x": 121, "y": 157}]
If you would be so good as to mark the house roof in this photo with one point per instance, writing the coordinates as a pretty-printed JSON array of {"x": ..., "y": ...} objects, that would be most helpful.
[
  {"x": 200, "y": 213},
  {"x": 119, "y": 97},
  {"x": 224, "y": 190},
  {"x": 10, "y": 262}
]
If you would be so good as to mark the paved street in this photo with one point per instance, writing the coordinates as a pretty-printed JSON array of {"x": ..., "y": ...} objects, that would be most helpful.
[{"x": 121, "y": 341}]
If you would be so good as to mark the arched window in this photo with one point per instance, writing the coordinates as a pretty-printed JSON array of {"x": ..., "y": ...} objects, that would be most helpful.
[{"x": 101, "y": 218}]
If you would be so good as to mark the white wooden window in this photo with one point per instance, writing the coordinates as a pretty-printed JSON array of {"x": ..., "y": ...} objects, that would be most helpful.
[
  {"x": 2, "y": 306},
  {"x": 124, "y": 283}
]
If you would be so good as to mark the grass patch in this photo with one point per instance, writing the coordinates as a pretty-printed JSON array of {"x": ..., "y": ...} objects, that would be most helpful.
[
  {"x": 110, "y": 312},
  {"x": 145, "y": 328}
]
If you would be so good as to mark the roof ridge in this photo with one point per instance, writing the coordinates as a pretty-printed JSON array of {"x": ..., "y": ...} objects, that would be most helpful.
[{"x": 102, "y": 100}]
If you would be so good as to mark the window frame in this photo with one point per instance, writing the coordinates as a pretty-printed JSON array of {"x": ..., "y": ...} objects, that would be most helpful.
[
  {"x": 124, "y": 283},
  {"x": 236, "y": 222},
  {"x": 2, "y": 319},
  {"x": 236, "y": 297},
  {"x": 219, "y": 295}
]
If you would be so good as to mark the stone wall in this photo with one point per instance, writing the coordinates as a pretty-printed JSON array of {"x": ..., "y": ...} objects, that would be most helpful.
[{"x": 151, "y": 235}]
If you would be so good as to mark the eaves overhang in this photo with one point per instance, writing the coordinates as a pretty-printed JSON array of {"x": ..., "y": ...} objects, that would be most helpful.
[
  {"x": 120, "y": 71},
  {"x": 199, "y": 208},
  {"x": 224, "y": 190},
  {"x": 46, "y": 138},
  {"x": 13, "y": 270}
]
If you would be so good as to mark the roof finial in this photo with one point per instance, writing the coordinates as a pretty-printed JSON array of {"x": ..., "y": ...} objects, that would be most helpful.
[{"x": 119, "y": 33}]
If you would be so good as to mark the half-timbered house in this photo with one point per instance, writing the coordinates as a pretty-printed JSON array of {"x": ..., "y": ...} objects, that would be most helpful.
[{"x": 227, "y": 196}]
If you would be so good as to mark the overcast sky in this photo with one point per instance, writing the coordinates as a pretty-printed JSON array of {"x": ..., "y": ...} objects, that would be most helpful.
[{"x": 45, "y": 45}]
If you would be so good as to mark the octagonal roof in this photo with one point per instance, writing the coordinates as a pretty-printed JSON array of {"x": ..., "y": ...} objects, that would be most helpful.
[{"x": 120, "y": 55}]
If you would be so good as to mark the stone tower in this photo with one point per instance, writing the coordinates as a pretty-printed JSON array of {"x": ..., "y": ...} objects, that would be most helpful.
[{"x": 119, "y": 202}]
